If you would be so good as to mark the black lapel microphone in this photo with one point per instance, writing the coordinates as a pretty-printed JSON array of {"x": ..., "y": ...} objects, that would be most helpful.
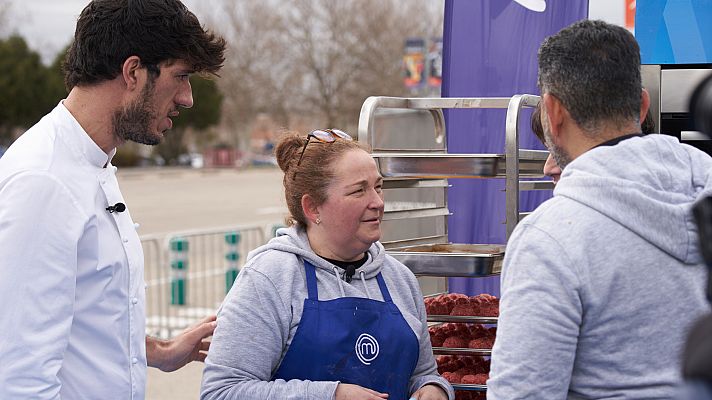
[
  {"x": 118, "y": 207},
  {"x": 349, "y": 273}
]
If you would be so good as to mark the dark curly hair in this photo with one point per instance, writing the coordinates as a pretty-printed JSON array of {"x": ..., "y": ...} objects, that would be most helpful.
[
  {"x": 110, "y": 31},
  {"x": 593, "y": 68}
]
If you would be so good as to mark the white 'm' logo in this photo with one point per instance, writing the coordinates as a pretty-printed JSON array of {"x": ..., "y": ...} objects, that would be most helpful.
[
  {"x": 534, "y": 5},
  {"x": 366, "y": 348}
]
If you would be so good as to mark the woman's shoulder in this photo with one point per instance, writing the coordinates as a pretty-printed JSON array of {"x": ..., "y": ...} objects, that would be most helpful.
[
  {"x": 272, "y": 269},
  {"x": 274, "y": 263}
]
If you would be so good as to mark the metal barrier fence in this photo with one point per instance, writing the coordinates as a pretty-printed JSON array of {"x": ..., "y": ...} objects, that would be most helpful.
[{"x": 189, "y": 273}]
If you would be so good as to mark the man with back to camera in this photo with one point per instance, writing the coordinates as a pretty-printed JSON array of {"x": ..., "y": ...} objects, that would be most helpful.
[
  {"x": 601, "y": 283},
  {"x": 72, "y": 290}
]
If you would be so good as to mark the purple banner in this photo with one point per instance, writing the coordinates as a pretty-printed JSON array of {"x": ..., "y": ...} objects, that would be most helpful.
[{"x": 490, "y": 49}]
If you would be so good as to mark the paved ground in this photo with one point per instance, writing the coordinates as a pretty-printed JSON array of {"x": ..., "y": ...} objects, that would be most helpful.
[{"x": 170, "y": 200}]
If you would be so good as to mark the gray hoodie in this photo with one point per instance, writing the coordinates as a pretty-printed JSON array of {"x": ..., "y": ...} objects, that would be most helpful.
[
  {"x": 261, "y": 314},
  {"x": 601, "y": 283}
]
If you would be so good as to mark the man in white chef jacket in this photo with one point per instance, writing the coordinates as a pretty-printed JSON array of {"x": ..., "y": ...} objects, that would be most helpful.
[{"x": 72, "y": 292}]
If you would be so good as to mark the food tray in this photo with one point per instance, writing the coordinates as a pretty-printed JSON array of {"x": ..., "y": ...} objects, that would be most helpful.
[
  {"x": 462, "y": 319},
  {"x": 443, "y": 165},
  {"x": 451, "y": 260},
  {"x": 448, "y": 351},
  {"x": 472, "y": 388}
]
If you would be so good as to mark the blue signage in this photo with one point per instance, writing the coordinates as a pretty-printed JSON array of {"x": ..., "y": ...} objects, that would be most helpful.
[{"x": 674, "y": 31}]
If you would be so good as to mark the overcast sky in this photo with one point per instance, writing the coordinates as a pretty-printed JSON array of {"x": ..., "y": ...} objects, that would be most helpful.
[{"x": 48, "y": 25}]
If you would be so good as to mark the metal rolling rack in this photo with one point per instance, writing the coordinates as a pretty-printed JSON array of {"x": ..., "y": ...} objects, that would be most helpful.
[{"x": 429, "y": 253}]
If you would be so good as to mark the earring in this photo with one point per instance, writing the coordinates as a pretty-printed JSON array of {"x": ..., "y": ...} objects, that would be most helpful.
[{"x": 318, "y": 220}]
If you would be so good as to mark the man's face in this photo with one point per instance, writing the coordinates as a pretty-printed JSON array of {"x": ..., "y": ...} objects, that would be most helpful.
[
  {"x": 147, "y": 117},
  {"x": 560, "y": 156}
]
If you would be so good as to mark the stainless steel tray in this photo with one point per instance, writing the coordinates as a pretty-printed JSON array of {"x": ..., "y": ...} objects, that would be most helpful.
[
  {"x": 456, "y": 260},
  {"x": 442, "y": 165},
  {"x": 448, "y": 351},
  {"x": 462, "y": 319},
  {"x": 472, "y": 388}
]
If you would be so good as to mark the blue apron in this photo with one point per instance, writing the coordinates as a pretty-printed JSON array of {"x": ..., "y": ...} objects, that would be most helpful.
[{"x": 352, "y": 340}]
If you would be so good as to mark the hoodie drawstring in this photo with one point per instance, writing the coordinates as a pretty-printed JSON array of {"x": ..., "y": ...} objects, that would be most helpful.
[
  {"x": 338, "y": 278},
  {"x": 363, "y": 279},
  {"x": 341, "y": 284}
]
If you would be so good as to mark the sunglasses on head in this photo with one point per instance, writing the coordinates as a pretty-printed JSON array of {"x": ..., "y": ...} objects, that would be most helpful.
[{"x": 324, "y": 136}]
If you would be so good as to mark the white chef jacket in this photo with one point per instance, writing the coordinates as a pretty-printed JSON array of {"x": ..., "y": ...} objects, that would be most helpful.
[{"x": 72, "y": 292}]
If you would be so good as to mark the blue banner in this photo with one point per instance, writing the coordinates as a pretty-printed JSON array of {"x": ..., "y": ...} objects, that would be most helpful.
[
  {"x": 489, "y": 50},
  {"x": 674, "y": 31}
]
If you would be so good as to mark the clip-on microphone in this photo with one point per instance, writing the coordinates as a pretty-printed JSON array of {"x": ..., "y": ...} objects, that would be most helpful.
[{"x": 118, "y": 207}]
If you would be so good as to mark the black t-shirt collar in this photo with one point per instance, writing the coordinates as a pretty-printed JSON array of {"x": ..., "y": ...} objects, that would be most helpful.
[
  {"x": 618, "y": 139},
  {"x": 349, "y": 267}
]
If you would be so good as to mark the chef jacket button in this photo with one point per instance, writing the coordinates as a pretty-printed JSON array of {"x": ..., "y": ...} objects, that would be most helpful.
[
  {"x": 134, "y": 360},
  {"x": 136, "y": 225},
  {"x": 134, "y": 300}
]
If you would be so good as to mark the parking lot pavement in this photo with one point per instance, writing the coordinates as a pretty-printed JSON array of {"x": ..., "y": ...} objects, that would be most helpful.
[{"x": 178, "y": 199}]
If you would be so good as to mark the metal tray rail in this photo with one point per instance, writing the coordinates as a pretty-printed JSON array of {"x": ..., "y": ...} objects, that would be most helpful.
[
  {"x": 471, "y": 388},
  {"x": 513, "y": 154},
  {"x": 461, "y": 351},
  {"x": 395, "y": 183},
  {"x": 463, "y": 319},
  {"x": 438, "y": 166},
  {"x": 433, "y": 104},
  {"x": 513, "y": 165},
  {"x": 416, "y": 213},
  {"x": 536, "y": 185},
  {"x": 451, "y": 260},
  {"x": 417, "y": 241},
  {"x": 435, "y": 295}
]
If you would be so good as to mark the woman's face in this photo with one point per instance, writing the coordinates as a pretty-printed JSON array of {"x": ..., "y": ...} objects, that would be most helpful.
[
  {"x": 551, "y": 169},
  {"x": 351, "y": 215}
]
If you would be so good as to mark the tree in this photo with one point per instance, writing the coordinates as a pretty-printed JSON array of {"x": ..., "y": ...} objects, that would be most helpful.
[
  {"x": 55, "y": 83},
  {"x": 314, "y": 62},
  {"x": 207, "y": 108},
  {"x": 257, "y": 77},
  {"x": 350, "y": 50},
  {"x": 205, "y": 113},
  {"x": 26, "y": 86}
]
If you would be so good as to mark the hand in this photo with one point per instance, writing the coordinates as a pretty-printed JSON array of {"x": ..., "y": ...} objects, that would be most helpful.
[
  {"x": 345, "y": 391},
  {"x": 429, "y": 392},
  {"x": 190, "y": 345}
]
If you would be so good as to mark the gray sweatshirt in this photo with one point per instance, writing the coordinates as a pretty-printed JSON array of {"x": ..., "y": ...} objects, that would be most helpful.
[
  {"x": 602, "y": 282},
  {"x": 260, "y": 316}
]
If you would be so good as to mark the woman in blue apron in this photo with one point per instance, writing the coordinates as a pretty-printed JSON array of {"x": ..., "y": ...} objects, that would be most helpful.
[{"x": 321, "y": 311}]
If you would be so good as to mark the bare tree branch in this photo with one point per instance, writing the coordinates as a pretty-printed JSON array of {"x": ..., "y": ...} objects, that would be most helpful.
[{"x": 314, "y": 62}]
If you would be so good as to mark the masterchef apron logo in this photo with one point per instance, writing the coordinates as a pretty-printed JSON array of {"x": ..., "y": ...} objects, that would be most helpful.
[
  {"x": 366, "y": 348},
  {"x": 534, "y": 5}
]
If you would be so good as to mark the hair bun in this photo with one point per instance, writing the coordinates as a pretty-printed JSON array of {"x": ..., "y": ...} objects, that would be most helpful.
[{"x": 288, "y": 149}]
